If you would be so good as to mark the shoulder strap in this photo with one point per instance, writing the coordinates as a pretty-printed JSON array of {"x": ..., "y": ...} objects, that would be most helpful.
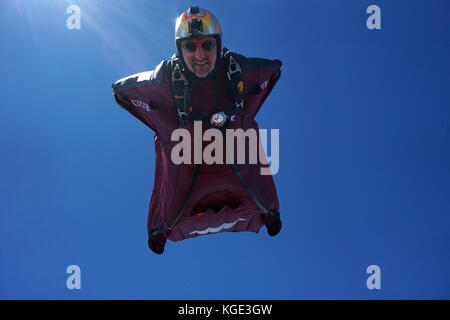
[
  {"x": 234, "y": 77},
  {"x": 180, "y": 89}
]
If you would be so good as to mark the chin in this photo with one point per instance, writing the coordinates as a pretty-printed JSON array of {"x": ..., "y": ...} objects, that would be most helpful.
[{"x": 203, "y": 75}]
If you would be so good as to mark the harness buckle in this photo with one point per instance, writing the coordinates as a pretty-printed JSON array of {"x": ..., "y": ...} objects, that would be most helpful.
[
  {"x": 240, "y": 106},
  {"x": 177, "y": 75}
]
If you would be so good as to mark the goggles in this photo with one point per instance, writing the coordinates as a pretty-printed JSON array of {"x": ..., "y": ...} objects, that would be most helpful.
[{"x": 192, "y": 46}]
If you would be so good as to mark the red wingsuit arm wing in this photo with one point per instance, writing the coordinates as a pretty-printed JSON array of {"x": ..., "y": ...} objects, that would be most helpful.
[
  {"x": 142, "y": 94},
  {"x": 260, "y": 77}
]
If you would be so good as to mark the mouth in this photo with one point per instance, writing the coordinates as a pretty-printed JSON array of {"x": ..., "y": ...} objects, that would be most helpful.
[
  {"x": 216, "y": 201},
  {"x": 201, "y": 64}
]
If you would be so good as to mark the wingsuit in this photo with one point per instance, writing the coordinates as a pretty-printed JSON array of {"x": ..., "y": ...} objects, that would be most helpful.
[{"x": 190, "y": 199}]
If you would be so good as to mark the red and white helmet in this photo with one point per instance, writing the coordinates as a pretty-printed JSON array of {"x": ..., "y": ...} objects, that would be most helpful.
[{"x": 197, "y": 22}]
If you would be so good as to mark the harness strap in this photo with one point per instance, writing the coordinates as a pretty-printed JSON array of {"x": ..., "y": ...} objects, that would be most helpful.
[
  {"x": 252, "y": 195},
  {"x": 188, "y": 194},
  {"x": 181, "y": 91},
  {"x": 249, "y": 190},
  {"x": 153, "y": 232},
  {"x": 234, "y": 76}
]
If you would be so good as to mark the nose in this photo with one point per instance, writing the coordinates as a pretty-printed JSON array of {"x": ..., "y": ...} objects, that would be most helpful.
[{"x": 199, "y": 53}]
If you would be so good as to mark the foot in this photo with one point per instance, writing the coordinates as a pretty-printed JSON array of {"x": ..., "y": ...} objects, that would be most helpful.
[
  {"x": 273, "y": 225},
  {"x": 157, "y": 243}
]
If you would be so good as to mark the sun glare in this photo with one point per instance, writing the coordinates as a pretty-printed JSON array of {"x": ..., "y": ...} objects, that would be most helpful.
[{"x": 134, "y": 35}]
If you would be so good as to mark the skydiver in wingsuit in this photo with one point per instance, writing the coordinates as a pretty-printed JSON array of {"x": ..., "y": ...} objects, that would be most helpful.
[{"x": 203, "y": 81}]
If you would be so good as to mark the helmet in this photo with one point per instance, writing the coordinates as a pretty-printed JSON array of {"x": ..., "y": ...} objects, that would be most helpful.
[{"x": 197, "y": 22}]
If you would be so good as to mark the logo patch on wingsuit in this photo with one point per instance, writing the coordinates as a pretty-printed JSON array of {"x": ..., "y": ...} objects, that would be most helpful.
[
  {"x": 264, "y": 85},
  {"x": 141, "y": 104},
  {"x": 240, "y": 86}
]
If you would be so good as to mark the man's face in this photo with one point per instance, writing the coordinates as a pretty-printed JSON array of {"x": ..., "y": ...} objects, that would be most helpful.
[{"x": 200, "y": 55}]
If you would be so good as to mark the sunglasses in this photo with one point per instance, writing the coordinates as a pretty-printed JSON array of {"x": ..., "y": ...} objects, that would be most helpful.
[{"x": 192, "y": 46}]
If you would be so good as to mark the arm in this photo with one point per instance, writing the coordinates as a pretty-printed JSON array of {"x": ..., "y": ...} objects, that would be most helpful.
[
  {"x": 141, "y": 94},
  {"x": 260, "y": 77}
]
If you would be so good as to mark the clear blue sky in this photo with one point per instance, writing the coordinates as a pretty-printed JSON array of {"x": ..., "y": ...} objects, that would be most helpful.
[{"x": 364, "y": 153}]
